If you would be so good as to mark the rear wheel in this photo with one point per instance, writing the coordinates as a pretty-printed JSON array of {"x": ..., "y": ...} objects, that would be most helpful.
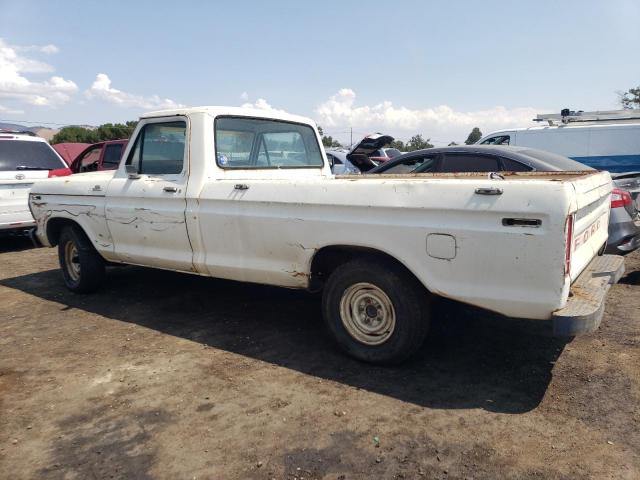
[
  {"x": 83, "y": 268},
  {"x": 376, "y": 311}
]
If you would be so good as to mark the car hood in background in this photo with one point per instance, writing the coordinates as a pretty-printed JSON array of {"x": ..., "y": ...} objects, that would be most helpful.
[{"x": 69, "y": 151}]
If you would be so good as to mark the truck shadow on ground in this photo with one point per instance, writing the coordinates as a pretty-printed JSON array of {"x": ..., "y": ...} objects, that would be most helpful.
[
  {"x": 468, "y": 361},
  {"x": 15, "y": 243}
]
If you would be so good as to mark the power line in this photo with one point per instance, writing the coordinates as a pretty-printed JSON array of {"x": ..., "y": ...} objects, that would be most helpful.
[{"x": 29, "y": 121}]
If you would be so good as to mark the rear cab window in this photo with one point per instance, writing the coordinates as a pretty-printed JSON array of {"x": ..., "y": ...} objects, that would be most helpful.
[
  {"x": 251, "y": 143},
  {"x": 28, "y": 155}
]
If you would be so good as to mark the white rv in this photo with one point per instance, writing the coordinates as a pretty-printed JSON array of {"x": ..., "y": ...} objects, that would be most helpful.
[{"x": 603, "y": 140}]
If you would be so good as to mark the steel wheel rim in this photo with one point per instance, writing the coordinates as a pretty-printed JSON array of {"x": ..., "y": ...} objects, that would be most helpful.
[
  {"x": 367, "y": 313},
  {"x": 72, "y": 261}
]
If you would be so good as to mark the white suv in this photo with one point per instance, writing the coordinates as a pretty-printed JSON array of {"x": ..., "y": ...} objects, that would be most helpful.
[{"x": 24, "y": 158}]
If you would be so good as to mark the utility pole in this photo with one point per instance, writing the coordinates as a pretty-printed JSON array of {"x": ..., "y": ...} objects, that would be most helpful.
[{"x": 351, "y": 137}]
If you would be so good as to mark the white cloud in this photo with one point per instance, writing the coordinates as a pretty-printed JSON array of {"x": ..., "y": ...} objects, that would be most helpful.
[
  {"x": 441, "y": 123},
  {"x": 14, "y": 84},
  {"x": 244, "y": 96},
  {"x": 262, "y": 104},
  {"x": 48, "y": 49},
  {"x": 10, "y": 111},
  {"x": 102, "y": 89}
]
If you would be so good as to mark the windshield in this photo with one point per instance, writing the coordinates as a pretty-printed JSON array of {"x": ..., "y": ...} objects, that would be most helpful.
[{"x": 26, "y": 155}]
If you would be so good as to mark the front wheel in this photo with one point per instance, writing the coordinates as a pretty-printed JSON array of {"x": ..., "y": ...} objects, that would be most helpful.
[
  {"x": 376, "y": 311},
  {"x": 83, "y": 268}
]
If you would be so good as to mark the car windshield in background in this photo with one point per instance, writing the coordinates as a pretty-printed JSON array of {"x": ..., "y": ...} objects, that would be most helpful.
[
  {"x": 27, "y": 155},
  {"x": 558, "y": 161},
  {"x": 499, "y": 140},
  {"x": 393, "y": 152},
  {"x": 254, "y": 143}
]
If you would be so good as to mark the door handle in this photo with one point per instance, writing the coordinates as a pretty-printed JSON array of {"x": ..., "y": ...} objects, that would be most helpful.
[
  {"x": 241, "y": 186},
  {"x": 170, "y": 189},
  {"x": 489, "y": 191}
]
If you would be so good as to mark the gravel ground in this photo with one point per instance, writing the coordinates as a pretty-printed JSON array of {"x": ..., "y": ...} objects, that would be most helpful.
[{"x": 167, "y": 375}]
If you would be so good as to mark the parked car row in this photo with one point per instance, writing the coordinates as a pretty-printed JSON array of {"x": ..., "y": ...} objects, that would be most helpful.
[{"x": 493, "y": 154}]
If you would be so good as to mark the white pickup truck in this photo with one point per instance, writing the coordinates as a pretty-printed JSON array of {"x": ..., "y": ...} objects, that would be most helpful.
[{"x": 248, "y": 195}]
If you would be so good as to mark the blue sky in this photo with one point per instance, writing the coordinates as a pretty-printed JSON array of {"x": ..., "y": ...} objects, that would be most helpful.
[{"x": 403, "y": 67}]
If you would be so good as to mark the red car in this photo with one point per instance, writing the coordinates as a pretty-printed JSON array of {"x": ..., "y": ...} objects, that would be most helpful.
[{"x": 99, "y": 156}]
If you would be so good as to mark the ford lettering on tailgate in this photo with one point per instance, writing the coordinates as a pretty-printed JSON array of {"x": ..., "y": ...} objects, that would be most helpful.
[{"x": 584, "y": 236}]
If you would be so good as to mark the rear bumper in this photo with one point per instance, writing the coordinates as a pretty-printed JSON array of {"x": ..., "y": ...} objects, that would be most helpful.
[{"x": 585, "y": 307}]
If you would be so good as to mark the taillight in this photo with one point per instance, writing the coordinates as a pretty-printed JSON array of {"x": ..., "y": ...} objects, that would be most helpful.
[
  {"x": 620, "y": 198},
  {"x": 568, "y": 233},
  {"x": 60, "y": 172}
]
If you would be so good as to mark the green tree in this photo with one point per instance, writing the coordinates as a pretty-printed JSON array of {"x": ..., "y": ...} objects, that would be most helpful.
[
  {"x": 417, "y": 143},
  {"x": 474, "y": 136},
  {"x": 73, "y": 134},
  {"x": 328, "y": 140},
  {"x": 107, "y": 131},
  {"x": 631, "y": 98},
  {"x": 399, "y": 144},
  {"x": 452, "y": 144}
]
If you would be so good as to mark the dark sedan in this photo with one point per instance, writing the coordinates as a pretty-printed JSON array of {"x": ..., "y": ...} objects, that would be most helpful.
[{"x": 624, "y": 224}]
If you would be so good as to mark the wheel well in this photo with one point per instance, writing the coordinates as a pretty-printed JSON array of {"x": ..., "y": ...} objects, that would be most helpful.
[
  {"x": 55, "y": 226},
  {"x": 327, "y": 259}
]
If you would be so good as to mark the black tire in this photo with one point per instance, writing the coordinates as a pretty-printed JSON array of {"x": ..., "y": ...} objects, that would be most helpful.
[
  {"x": 409, "y": 299},
  {"x": 90, "y": 265}
]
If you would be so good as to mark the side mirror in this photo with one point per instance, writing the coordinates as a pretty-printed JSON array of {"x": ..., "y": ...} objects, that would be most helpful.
[{"x": 132, "y": 171}]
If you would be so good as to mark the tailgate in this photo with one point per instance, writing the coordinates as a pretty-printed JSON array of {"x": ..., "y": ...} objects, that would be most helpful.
[
  {"x": 14, "y": 197},
  {"x": 590, "y": 220}
]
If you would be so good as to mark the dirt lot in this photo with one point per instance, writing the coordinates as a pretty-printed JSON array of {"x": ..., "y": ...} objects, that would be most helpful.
[{"x": 165, "y": 375}]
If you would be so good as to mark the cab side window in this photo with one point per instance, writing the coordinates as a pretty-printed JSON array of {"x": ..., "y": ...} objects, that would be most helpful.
[{"x": 160, "y": 149}]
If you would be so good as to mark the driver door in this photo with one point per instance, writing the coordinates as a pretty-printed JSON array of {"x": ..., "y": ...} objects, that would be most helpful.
[{"x": 146, "y": 210}]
